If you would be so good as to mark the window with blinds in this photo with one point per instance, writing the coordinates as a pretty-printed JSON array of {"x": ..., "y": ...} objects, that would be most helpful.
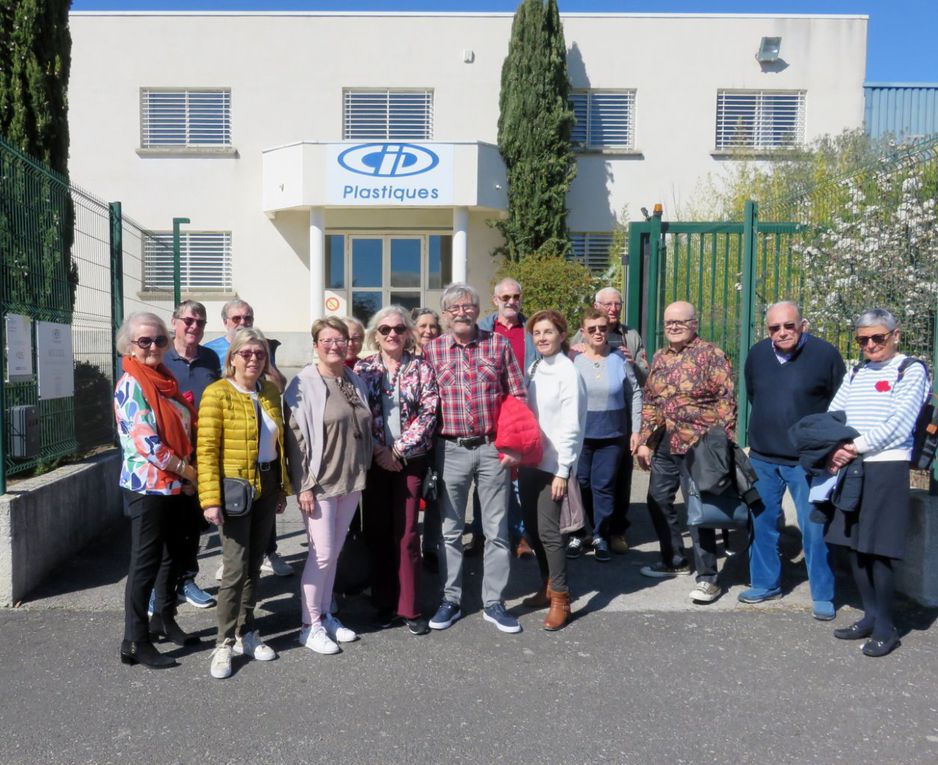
[
  {"x": 591, "y": 249},
  {"x": 400, "y": 115},
  {"x": 604, "y": 119},
  {"x": 204, "y": 261},
  {"x": 760, "y": 119},
  {"x": 185, "y": 118}
]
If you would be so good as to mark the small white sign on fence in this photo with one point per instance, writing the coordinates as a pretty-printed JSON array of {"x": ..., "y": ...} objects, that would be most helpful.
[
  {"x": 19, "y": 348},
  {"x": 55, "y": 360}
]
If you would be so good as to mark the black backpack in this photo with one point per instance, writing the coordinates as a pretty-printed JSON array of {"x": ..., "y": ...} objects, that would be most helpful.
[{"x": 925, "y": 440}]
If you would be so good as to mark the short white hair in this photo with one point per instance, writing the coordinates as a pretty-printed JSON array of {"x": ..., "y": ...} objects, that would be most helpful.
[{"x": 607, "y": 289}]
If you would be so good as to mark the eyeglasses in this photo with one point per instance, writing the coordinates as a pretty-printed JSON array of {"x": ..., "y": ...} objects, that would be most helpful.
[
  {"x": 863, "y": 340},
  {"x": 190, "y": 320},
  {"x": 335, "y": 341},
  {"x": 356, "y": 339},
  {"x": 464, "y": 308},
  {"x": 248, "y": 355},
  {"x": 398, "y": 329},
  {"x": 603, "y": 328},
  {"x": 146, "y": 342},
  {"x": 678, "y": 323},
  {"x": 613, "y": 304},
  {"x": 789, "y": 325},
  {"x": 516, "y": 297},
  {"x": 247, "y": 318}
]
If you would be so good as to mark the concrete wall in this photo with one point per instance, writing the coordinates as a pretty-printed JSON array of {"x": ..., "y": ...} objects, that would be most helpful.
[{"x": 46, "y": 520}]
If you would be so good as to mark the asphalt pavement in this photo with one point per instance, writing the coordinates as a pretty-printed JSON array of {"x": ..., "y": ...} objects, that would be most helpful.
[{"x": 641, "y": 675}]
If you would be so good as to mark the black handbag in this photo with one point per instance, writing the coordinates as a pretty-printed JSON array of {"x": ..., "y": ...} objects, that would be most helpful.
[
  {"x": 716, "y": 511},
  {"x": 429, "y": 487},
  {"x": 238, "y": 496}
]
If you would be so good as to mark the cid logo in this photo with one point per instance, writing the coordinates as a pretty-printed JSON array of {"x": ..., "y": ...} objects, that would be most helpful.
[{"x": 388, "y": 160}]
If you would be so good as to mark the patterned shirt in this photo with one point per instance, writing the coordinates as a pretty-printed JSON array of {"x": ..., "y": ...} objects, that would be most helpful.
[
  {"x": 473, "y": 378},
  {"x": 419, "y": 400},
  {"x": 145, "y": 456},
  {"x": 688, "y": 391}
]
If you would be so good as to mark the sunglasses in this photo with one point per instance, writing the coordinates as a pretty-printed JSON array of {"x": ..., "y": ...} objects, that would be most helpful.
[
  {"x": 146, "y": 342},
  {"x": 509, "y": 298},
  {"x": 604, "y": 328},
  {"x": 398, "y": 329},
  {"x": 789, "y": 325},
  {"x": 247, "y": 355},
  {"x": 247, "y": 318},
  {"x": 190, "y": 320},
  {"x": 863, "y": 340}
]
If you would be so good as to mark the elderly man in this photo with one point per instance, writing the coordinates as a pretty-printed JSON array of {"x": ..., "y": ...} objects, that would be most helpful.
[
  {"x": 236, "y": 314},
  {"x": 508, "y": 321},
  {"x": 630, "y": 344},
  {"x": 789, "y": 375},
  {"x": 689, "y": 390},
  {"x": 475, "y": 370},
  {"x": 195, "y": 367}
]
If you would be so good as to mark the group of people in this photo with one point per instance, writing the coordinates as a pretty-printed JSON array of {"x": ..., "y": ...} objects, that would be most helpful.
[{"x": 508, "y": 416}]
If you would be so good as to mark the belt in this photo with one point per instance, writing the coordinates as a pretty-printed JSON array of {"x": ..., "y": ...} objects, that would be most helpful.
[{"x": 470, "y": 442}]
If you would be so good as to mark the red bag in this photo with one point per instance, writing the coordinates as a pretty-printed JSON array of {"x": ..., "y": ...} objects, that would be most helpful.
[{"x": 517, "y": 430}]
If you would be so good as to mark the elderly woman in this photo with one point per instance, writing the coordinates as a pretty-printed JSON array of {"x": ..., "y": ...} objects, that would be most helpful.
[
  {"x": 241, "y": 437},
  {"x": 403, "y": 397},
  {"x": 330, "y": 448},
  {"x": 356, "y": 338},
  {"x": 882, "y": 399},
  {"x": 613, "y": 419},
  {"x": 154, "y": 424},
  {"x": 557, "y": 397},
  {"x": 426, "y": 327}
]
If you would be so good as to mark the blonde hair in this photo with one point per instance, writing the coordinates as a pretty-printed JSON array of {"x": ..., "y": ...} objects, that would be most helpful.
[
  {"x": 371, "y": 341},
  {"x": 125, "y": 334},
  {"x": 243, "y": 337}
]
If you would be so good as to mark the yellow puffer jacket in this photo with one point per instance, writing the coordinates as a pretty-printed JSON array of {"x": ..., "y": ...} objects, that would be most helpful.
[{"x": 228, "y": 435}]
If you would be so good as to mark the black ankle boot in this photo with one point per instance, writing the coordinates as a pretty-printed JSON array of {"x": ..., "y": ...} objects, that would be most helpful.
[
  {"x": 166, "y": 627},
  {"x": 144, "y": 653}
]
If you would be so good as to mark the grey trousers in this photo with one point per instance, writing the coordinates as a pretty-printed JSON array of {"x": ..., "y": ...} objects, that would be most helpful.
[{"x": 458, "y": 467}]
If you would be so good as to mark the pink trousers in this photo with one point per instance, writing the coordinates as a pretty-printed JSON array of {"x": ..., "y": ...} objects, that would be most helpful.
[{"x": 326, "y": 529}]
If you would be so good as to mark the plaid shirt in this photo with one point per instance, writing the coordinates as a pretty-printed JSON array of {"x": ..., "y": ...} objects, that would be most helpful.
[{"x": 473, "y": 379}]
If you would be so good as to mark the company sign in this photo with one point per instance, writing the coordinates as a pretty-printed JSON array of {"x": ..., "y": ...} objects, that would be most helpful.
[{"x": 390, "y": 174}]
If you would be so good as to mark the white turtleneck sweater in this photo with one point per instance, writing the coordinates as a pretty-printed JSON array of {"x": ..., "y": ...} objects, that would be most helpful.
[{"x": 557, "y": 396}]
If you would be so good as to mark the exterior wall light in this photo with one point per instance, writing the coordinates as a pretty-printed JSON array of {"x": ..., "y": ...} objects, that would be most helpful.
[{"x": 768, "y": 50}]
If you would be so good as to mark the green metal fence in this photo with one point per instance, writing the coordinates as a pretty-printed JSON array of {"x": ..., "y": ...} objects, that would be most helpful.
[{"x": 67, "y": 261}]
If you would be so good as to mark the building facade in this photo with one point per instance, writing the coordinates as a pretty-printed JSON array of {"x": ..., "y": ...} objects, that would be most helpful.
[{"x": 335, "y": 162}]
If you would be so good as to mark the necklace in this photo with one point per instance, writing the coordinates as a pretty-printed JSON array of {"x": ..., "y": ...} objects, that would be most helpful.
[{"x": 390, "y": 377}]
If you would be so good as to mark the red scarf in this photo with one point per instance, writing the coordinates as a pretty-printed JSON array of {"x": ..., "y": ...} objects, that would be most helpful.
[{"x": 159, "y": 386}]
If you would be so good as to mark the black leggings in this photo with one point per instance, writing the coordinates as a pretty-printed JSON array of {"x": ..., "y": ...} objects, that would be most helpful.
[
  {"x": 876, "y": 581},
  {"x": 542, "y": 524}
]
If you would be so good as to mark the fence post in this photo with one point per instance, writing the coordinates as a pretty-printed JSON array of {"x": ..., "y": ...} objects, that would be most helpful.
[
  {"x": 654, "y": 283},
  {"x": 177, "y": 276},
  {"x": 3, "y": 396},
  {"x": 117, "y": 281},
  {"x": 746, "y": 318},
  {"x": 633, "y": 279}
]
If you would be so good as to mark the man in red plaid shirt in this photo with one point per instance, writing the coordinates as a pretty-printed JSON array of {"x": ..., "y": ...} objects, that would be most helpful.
[{"x": 475, "y": 369}]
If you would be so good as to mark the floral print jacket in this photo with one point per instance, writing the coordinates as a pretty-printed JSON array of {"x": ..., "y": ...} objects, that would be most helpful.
[
  {"x": 145, "y": 456},
  {"x": 688, "y": 391},
  {"x": 420, "y": 401}
]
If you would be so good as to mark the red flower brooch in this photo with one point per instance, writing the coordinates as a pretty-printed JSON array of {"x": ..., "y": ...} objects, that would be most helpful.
[{"x": 883, "y": 385}]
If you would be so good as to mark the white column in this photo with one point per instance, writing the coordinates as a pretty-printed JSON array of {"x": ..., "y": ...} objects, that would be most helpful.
[
  {"x": 460, "y": 243},
  {"x": 317, "y": 262}
]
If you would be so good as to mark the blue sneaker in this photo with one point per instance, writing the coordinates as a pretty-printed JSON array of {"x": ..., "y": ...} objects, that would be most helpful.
[
  {"x": 758, "y": 595},
  {"x": 501, "y": 618},
  {"x": 151, "y": 606},
  {"x": 194, "y": 595},
  {"x": 445, "y": 615},
  {"x": 823, "y": 610}
]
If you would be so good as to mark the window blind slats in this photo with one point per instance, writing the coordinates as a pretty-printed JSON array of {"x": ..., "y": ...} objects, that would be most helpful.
[
  {"x": 591, "y": 249},
  {"x": 604, "y": 119},
  {"x": 760, "y": 119},
  {"x": 185, "y": 118},
  {"x": 388, "y": 115},
  {"x": 204, "y": 261}
]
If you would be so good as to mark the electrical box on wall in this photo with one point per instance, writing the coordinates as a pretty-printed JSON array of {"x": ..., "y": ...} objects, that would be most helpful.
[{"x": 24, "y": 427}]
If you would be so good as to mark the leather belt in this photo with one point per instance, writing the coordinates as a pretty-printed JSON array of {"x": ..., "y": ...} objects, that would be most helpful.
[{"x": 470, "y": 442}]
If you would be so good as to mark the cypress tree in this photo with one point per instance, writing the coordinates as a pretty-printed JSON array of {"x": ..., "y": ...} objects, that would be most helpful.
[{"x": 534, "y": 125}]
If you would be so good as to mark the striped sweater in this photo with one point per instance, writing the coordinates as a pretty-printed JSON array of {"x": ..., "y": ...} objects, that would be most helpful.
[{"x": 884, "y": 412}]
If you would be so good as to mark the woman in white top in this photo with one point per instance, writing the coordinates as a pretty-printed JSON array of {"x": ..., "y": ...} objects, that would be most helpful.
[
  {"x": 557, "y": 396},
  {"x": 882, "y": 400}
]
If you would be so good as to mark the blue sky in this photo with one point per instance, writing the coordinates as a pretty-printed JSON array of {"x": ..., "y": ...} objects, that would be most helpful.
[{"x": 901, "y": 43}]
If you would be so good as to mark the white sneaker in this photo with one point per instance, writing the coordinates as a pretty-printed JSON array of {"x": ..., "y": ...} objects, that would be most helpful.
[
  {"x": 275, "y": 564},
  {"x": 250, "y": 644},
  {"x": 316, "y": 639},
  {"x": 221, "y": 662},
  {"x": 337, "y": 631},
  {"x": 220, "y": 571},
  {"x": 706, "y": 592}
]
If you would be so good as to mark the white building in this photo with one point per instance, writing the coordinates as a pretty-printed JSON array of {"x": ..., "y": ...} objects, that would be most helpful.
[{"x": 252, "y": 125}]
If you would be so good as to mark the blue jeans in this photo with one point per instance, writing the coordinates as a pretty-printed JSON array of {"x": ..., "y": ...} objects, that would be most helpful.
[
  {"x": 597, "y": 472},
  {"x": 765, "y": 568}
]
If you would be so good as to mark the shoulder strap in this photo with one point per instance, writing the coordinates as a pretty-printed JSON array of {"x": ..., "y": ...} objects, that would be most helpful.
[{"x": 906, "y": 363}]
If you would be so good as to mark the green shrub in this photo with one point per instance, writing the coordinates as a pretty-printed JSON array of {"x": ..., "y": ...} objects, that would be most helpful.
[{"x": 551, "y": 281}]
